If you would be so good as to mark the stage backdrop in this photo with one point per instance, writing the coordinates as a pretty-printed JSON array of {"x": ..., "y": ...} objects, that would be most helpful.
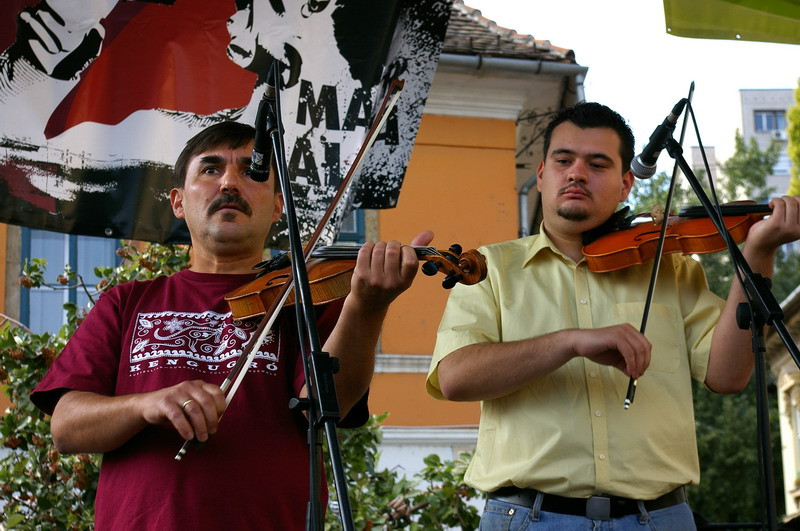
[{"x": 97, "y": 98}]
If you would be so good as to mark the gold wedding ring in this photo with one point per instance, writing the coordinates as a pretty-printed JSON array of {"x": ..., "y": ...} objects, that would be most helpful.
[{"x": 186, "y": 403}]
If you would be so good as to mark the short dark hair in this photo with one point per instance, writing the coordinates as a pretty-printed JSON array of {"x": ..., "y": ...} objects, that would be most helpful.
[
  {"x": 588, "y": 115},
  {"x": 230, "y": 134}
]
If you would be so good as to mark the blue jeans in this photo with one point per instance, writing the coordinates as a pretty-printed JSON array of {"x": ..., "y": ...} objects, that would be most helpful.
[{"x": 498, "y": 515}]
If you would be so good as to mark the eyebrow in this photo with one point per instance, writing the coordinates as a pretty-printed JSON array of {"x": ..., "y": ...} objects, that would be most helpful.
[
  {"x": 217, "y": 159},
  {"x": 565, "y": 151}
]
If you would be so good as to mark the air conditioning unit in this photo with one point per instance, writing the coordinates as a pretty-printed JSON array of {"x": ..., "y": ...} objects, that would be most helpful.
[{"x": 779, "y": 134}]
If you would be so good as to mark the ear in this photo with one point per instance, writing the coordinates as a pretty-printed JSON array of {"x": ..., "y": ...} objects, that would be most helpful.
[
  {"x": 176, "y": 200},
  {"x": 539, "y": 171},
  {"x": 627, "y": 185},
  {"x": 277, "y": 211}
]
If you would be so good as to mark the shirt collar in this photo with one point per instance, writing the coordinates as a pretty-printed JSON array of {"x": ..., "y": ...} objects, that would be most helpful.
[{"x": 540, "y": 244}]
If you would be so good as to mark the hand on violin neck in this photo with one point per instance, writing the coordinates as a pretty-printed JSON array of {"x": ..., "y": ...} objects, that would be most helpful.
[
  {"x": 383, "y": 271},
  {"x": 780, "y": 227}
]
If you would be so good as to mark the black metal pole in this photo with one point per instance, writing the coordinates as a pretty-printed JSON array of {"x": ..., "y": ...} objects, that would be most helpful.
[
  {"x": 322, "y": 405},
  {"x": 763, "y": 309}
]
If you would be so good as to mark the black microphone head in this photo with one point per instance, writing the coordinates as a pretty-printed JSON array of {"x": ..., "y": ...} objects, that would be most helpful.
[
  {"x": 678, "y": 109},
  {"x": 259, "y": 176},
  {"x": 259, "y": 168}
]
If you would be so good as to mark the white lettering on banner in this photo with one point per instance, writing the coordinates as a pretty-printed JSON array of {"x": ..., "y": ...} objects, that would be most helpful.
[{"x": 323, "y": 114}]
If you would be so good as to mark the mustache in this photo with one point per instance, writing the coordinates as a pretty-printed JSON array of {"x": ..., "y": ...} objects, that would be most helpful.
[
  {"x": 580, "y": 186},
  {"x": 227, "y": 200}
]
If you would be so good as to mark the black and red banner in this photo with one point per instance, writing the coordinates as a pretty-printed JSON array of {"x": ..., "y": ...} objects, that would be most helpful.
[{"x": 97, "y": 98}]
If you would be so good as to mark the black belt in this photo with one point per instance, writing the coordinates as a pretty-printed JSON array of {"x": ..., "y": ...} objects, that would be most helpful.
[{"x": 600, "y": 507}]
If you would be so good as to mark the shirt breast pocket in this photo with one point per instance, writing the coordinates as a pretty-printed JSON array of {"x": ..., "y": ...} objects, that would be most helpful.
[{"x": 663, "y": 329}]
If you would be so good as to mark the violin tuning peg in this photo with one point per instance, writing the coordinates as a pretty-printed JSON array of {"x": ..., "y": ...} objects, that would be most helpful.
[
  {"x": 455, "y": 249},
  {"x": 430, "y": 268},
  {"x": 450, "y": 280}
]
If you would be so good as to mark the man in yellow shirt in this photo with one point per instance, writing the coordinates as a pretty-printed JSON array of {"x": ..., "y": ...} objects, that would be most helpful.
[{"x": 548, "y": 347}]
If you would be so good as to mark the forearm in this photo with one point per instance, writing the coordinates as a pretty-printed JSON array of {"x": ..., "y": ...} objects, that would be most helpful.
[
  {"x": 731, "y": 358},
  {"x": 353, "y": 341},
  {"x": 490, "y": 370},
  {"x": 90, "y": 423}
]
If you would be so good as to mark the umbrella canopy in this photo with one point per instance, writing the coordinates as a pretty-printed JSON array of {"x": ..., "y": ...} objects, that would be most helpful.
[{"x": 749, "y": 20}]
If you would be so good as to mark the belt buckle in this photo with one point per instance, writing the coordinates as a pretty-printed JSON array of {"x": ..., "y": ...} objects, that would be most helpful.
[{"x": 598, "y": 508}]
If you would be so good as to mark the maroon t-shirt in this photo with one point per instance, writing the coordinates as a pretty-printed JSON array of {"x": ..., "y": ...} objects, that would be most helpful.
[{"x": 144, "y": 336}]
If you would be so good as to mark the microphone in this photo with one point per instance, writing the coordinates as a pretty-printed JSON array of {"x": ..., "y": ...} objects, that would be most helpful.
[
  {"x": 643, "y": 165},
  {"x": 264, "y": 124}
]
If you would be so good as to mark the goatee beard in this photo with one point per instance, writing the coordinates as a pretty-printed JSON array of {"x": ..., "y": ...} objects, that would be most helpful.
[{"x": 573, "y": 214}]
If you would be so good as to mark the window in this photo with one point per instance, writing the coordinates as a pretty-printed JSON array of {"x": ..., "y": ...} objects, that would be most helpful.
[
  {"x": 783, "y": 166},
  {"x": 352, "y": 228},
  {"x": 770, "y": 120},
  {"x": 41, "y": 309}
]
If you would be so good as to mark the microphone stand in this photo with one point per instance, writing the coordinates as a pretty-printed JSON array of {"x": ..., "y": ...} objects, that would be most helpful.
[
  {"x": 761, "y": 308},
  {"x": 322, "y": 406}
]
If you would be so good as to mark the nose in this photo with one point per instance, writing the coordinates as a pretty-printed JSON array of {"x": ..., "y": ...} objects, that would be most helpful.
[
  {"x": 231, "y": 180},
  {"x": 578, "y": 172},
  {"x": 577, "y": 176}
]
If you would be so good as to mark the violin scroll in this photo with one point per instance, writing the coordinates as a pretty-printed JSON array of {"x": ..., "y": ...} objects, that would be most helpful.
[{"x": 467, "y": 267}]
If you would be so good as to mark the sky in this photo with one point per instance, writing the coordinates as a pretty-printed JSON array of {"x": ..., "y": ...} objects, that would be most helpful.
[{"x": 639, "y": 70}]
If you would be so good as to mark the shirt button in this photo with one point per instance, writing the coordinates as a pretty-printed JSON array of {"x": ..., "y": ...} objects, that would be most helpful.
[
  {"x": 597, "y": 414},
  {"x": 583, "y": 301},
  {"x": 602, "y": 456},
  {"x": 593, "y": 374}
]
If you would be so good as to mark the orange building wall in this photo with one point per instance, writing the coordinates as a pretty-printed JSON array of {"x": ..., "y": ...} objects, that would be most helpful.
[
  {"x": 404, "y": 397},
  {"x": 460, "y": 183}
]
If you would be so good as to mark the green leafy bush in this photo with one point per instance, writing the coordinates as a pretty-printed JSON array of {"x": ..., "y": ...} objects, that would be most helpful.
[{"x": 42, "y": 489}]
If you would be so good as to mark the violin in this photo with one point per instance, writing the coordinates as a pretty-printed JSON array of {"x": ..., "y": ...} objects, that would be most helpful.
[
  {"x": 330, "y": 269},
  {"x": 690, "y": 232}
]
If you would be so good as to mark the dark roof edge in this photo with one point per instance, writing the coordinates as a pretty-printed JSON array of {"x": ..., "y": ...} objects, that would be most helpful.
[{"x": 451, "y": 61}]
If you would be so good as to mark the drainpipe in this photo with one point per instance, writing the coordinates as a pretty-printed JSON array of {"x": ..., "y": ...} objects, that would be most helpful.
[{"x": 522, "y": 200}]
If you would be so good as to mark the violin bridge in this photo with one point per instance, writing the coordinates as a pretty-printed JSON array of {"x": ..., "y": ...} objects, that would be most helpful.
[{"x": 657, "y": 213}]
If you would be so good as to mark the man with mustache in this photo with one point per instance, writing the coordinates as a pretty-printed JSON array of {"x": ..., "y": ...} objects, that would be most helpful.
[
  {"x": 142, "y": 373},
  {"x": 548, "y": 347}
]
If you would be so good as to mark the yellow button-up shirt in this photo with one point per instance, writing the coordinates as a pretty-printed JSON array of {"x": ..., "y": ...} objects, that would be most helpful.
[{"x": 567, "y": 433}]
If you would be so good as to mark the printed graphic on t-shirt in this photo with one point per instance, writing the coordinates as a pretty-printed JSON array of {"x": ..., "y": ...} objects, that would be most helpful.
[{"x": 206, "y": 342}]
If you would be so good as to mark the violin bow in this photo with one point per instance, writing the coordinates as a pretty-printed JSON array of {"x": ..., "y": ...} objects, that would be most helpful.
[
  {"x": 631, "y": 392},
  {"x": 237, "y": 373}
]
